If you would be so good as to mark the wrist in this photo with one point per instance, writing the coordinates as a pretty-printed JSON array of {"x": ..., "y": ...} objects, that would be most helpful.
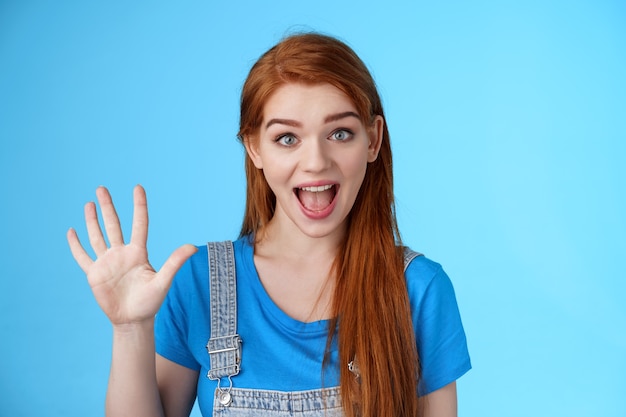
[{"x": 133, "y": 328}]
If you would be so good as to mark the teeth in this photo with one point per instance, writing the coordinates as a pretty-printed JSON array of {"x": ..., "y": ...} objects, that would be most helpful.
[{"x": 317, "y": 189}]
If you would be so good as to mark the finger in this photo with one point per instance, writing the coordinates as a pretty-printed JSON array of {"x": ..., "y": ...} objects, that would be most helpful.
[
  {"x": 93, "y": 229},
  {"x": 139, "y": 234},
  {"x": 109, "y": 217},
  {"x": 78, "y": 252},
  {"x": 173, "y": 264}
]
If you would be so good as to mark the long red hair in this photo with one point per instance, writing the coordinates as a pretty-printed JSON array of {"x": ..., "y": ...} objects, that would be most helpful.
[{"x": 370, "y": 300}]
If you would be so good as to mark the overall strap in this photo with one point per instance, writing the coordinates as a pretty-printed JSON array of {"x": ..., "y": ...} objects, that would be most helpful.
[
  {"x": 224, "y": 346},
  {"x": 409, "y": 255}
]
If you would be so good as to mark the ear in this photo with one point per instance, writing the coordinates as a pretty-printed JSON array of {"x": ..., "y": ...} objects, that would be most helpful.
[
  {"x": 375, "y": 133},
  {"x": 252, "y": 148}
]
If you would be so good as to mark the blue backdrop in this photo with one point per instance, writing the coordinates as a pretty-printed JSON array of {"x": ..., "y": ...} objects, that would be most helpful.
[{"x": 508, "y": 123}]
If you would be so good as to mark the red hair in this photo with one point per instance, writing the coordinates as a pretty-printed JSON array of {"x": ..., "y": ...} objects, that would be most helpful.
[{"x": 370, "y": 300}]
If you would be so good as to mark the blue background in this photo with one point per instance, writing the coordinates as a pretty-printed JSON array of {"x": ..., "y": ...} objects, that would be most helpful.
[{"x": 508, "y": 123}]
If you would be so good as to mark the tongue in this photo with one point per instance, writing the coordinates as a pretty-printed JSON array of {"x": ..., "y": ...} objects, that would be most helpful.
[{"x": 316, "y": 201}]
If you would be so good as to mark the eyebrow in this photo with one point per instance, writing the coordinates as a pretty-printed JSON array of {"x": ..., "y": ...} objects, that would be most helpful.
[{"x": 327, "y": 119}]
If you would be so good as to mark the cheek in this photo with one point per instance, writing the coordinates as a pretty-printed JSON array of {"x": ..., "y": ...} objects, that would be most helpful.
[
  {"x": 276, "y": 174},
  {"x": 355, "y": 167}
]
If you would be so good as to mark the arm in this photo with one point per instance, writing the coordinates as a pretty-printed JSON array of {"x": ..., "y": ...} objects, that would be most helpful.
[
  {"x": 441, "y": 342},
  {"x": 132, "y": 388},
  {"x": 130, "y": 292},
  {"x": 441, "y": 403},
  {"x": 154, "y": 385},
  {"x": 177, "y": 385}
]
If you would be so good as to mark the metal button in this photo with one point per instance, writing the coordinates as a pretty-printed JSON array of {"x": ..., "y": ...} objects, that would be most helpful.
[{"x": 225, "y": 398}]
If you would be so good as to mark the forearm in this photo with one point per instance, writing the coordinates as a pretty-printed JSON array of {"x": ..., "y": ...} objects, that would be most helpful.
[{"x": 133, "y": 389}]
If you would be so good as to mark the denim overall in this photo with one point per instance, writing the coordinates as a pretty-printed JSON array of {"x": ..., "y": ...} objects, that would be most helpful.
[{"x": 224, "y": 349}]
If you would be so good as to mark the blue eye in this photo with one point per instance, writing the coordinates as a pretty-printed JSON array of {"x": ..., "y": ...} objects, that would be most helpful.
[
  {"x": 286, "y": 140},
  {"x": 341, "y": 135}
]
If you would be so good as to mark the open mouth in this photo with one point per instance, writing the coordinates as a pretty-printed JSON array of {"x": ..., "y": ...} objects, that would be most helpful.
[{"x": 316, "y": 198}]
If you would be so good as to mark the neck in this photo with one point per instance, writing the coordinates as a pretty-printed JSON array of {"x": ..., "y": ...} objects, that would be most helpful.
[
  {"x": 286, "y": 241},
  {"x": 296, "y": 271}
]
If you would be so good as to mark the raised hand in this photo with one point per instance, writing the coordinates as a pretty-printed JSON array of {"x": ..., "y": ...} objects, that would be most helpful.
[{"x": 125, "y": 285}]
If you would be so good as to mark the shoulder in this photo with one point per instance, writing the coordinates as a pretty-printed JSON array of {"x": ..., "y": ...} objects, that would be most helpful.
[
  {"x": 432, "y": 297},
  {"x": 422, "y": 273}
]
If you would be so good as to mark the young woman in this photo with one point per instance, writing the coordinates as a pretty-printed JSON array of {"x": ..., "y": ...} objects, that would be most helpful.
[{"x": 317, "y": 309}]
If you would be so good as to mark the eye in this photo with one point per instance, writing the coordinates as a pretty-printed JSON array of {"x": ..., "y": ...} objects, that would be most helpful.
[
  {"x": 341, "y": 135},
  {"x": 286, "y": 140}
]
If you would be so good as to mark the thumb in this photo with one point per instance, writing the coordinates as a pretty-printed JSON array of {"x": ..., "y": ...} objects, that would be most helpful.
[{"x": 174, "y": 262}]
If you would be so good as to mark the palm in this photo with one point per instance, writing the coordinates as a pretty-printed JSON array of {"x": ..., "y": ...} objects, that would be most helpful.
[
  {"x": 125, "y": 285},
  {"x": 122, "y": 281}
]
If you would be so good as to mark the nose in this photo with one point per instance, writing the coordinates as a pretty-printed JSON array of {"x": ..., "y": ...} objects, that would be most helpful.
[{"x": 315, "y": 155}]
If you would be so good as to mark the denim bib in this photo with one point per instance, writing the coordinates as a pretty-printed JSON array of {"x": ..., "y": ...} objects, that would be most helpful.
[{"x": 224, "y": 348}]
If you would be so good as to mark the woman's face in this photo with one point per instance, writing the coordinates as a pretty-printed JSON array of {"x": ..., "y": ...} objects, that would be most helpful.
[{"x": 313, "y": 150}]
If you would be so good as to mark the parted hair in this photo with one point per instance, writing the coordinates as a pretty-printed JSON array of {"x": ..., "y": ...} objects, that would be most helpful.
[{"x": 371, "y": 308}]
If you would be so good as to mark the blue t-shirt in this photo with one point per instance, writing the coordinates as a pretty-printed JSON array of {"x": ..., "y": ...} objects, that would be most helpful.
[{"x": 284, "y": 354}]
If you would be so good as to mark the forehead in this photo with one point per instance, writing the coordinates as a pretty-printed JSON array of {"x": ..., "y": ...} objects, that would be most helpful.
[{"x": 298, "y": 100}]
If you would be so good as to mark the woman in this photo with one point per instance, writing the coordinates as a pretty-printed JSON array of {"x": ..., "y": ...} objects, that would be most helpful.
[{"x": 321, "y": 303}]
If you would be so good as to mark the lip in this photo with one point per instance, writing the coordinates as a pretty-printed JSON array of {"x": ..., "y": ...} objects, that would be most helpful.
[
  {"x": 317, "y": 184},
  {"x": 321, "y": 214}
]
